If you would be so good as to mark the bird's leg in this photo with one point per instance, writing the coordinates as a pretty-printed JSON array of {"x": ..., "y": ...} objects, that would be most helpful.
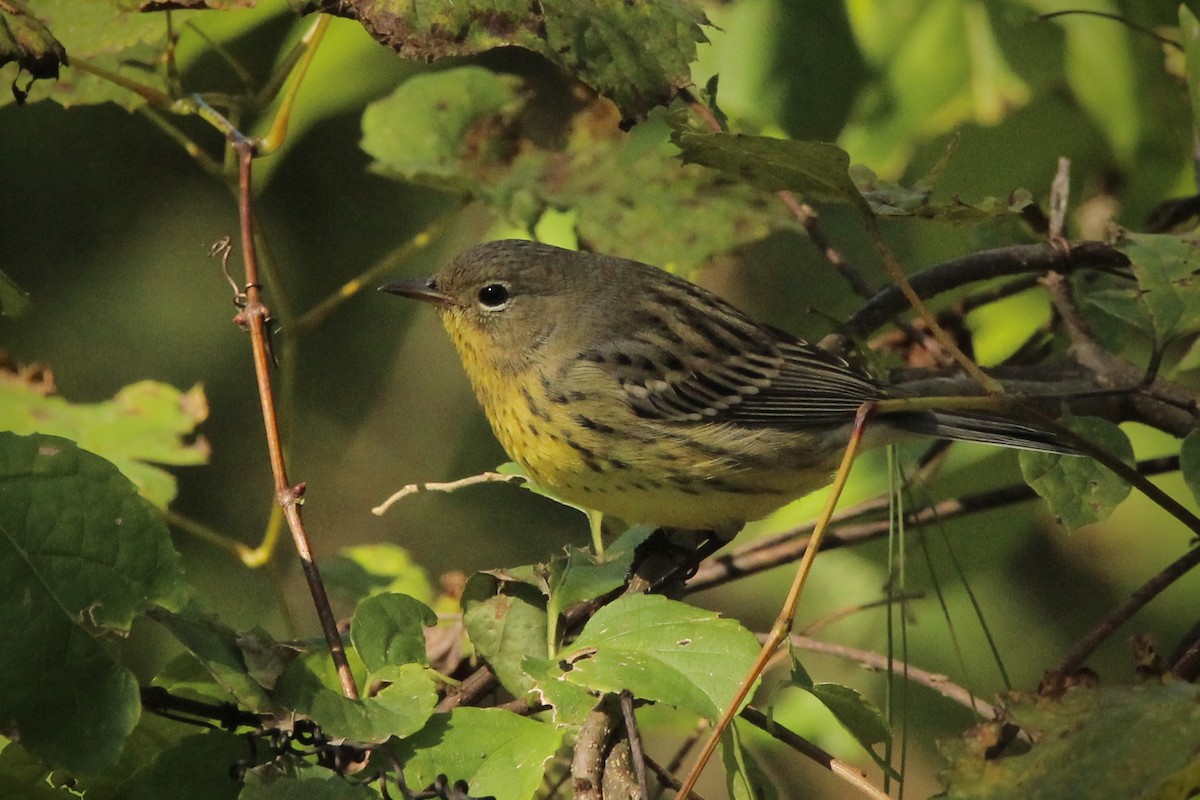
[
  {"x": 783, "y": 623},
  {"x": 664, "y": 561}
]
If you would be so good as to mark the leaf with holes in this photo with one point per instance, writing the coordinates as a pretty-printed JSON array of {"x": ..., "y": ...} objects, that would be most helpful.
[
  {"x": 1168, "y": 274},
  {"x": 145, "y": 424},
  {"x": 662, "y": 650},
  {"x": 496, "y": 752},
  {"x": 1078, "y": 490},
  {"x": 81, "y": 555}
]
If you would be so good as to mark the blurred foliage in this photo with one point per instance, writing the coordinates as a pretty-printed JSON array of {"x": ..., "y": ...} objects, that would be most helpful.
[
  {"x": 146, "y": 423},
  {"x": 927, "y": 112},
  {"x": 1073, "y": 749}
]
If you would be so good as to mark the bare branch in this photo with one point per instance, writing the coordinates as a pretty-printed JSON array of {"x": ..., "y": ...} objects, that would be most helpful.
[
  {"x": 984, "y": 265},
  {"x": 448, "y": 486}
]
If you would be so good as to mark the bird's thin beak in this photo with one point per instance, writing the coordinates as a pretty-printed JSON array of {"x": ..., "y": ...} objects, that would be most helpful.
[{"x": 419, "y": 289}]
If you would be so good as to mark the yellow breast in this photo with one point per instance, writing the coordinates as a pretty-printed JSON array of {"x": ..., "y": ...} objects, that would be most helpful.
[{"x": 585, "y": 445}]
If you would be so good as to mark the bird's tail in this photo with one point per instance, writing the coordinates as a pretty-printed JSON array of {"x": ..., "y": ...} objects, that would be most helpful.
[{"x": 967, "y": 427}]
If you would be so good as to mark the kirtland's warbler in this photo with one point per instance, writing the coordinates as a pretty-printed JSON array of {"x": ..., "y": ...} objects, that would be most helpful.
[{"x": 630, "y": 391}]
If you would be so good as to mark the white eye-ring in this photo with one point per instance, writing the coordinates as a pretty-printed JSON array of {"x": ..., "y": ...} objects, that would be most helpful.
[{"x": 494, "y": 296}]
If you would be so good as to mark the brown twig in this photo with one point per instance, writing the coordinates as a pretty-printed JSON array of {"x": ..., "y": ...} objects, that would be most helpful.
[
  {"x": 1055, "y": 677},
  {"x": 841, "y": 769},
  {"x": 807, "y": 216},
  {"x": 984, "y": 265},
  {"x": 790, "y": 545},
  {"x": 676, "y": 763},
  {"x": 1060, "y": 196},
  {"x": 1185, "y": 661},
  {"x": 1128, "y": 23},
  {"x": 1161, "y": 404},
  {"x": 880, "y": 662},
  {"x": 448, "y": 486},
  {"x": 522, "y": 707},
  {"x": 666, "y": 779},
  {"x": 635, "y": 741},
  {"x": 477, "y": 684},
  {"x": 802, "y": 212},
  {"x": 899, "y": 277},
  {"x": 254, "y": 318},
  {"x": 587, "y": 764},
  {"x": 782, "y": 627}
]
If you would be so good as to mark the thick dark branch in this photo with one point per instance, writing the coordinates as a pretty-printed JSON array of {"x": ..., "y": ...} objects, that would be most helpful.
[
  {"x": 789, "y": 546},
  {"x": 1159, "y": 403},
  {"x": 477, "y": 684},
  {"x": 981, "y": 266}
]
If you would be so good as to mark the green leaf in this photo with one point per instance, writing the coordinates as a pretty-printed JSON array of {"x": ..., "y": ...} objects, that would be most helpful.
[
  {"x": 888, "y": 199},
  {"x": 744, "y": 777},
  {"x": 496, "y": 752},
  {"x": 505, "y": 627},
  {"x": 1112, "y": 741},
  {"x": 185, "y": 675},
  {"x": 799, "y": 676},
  {"x": 124, "y": 42},
  {"x": 23, "y": 777},
  {"x": 25, "y": 40},
  {"x": 197, "y": 767},
  {"x": 1189, "y": 462},
  {"x": 1168, "y": 274},
  {"x": 1123, "y": 304},
  {"x": 309, "y": 685},
  {"x": 580, "y": 576},
  {"x": 389, "y": 630},
  {"x": 334, "y": 787},
  {"x": 81, "y": 554},
  {"x": 570, "y": 704},
  {"x": 637, "y": 54},
  {"x": 1078, "y": 490},
  {"x": 858, "y": 715},
  {"x": 662, "y": 650},
  {"x": 223, "y": 652},
  {"x": 13, "y": 301},
  {"x": 145, "y": 423},
  {"x": 152, "y": 736},
  {"x": 355, "y": 573},
  {"x": 466, "y": 129},
  {"x": 470, "y": 101},
  {"x": 817, "y": 171}
]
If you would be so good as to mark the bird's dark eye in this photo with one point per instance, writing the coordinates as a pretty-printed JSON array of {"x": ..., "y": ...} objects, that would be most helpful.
[{"x": 494, "y": 295}]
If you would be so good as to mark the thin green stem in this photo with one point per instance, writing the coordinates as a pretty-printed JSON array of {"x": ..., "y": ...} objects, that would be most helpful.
[
  {"x": 203, "y": 532},
  {"x": 202, "y": 159},
  {"x": 320, "y": 312},
  {"x": 241, "y": 72},
  {"x": 148, "y": 93},
  {"x": 308, "y": 48}
]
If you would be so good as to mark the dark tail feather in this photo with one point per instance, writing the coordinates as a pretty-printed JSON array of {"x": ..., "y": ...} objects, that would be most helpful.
[{"x": 966, "y": 427}]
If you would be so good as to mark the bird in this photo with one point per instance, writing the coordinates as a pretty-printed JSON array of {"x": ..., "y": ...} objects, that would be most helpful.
[{"x": 627, "y": 390}]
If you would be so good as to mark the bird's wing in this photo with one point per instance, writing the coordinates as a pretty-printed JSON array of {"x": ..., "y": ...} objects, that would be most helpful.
[{"x": 728, "y": 369}]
